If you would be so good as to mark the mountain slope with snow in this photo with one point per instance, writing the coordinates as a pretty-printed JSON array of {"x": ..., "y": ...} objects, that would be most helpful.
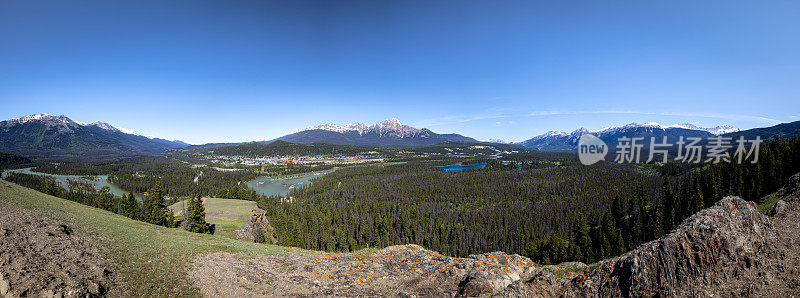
[
  {"x": 390, "y": 132},
  {"x": 57, "y": 136},
  {"x": 563, "y": 141}
]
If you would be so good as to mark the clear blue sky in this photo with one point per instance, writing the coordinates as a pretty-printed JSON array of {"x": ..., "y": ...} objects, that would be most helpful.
[{"x": 211, "y": 71}]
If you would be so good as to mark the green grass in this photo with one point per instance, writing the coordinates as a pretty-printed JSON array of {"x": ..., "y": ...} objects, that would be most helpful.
[
  {"x": 228, "y": 215},
  {"x": 770, "y": 200},
  {"x": 148, "y": 260}
]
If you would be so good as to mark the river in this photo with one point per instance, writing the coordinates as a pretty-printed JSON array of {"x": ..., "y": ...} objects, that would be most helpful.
[
  {"x": 102, "y": 180},
  {"x": 282, "y": 185}
]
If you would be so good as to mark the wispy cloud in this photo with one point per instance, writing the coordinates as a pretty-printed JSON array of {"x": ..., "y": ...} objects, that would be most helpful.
[
  {"x": 457, "y": 119},
  {"x": 463, "y": 119},
  {"x": 737, "y": 117}
]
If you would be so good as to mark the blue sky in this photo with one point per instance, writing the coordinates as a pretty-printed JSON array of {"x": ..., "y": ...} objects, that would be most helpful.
[{"x": 219, "y": 71}]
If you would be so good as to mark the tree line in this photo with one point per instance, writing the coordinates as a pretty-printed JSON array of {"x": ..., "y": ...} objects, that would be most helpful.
[{"x": 153, "y": 209}]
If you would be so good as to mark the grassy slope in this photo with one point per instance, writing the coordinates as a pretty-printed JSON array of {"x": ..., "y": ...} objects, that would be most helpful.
[
  {"x": 148, "y": 260},
  {"x": 769, "y": 201},
  {"x": 229, "y": 215},
  {"x": 787, "y": 191}
]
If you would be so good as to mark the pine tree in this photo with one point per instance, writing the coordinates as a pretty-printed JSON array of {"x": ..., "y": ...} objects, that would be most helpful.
[
  {"x": 608, "y": 235},
  {"x": 156, "y": 211},
  {"x": 656, "y": 225},
  {"x": 697, "y": 201},
  {"x": 583, "y": 241},
  {"x": 558, "y": 249},
  {"x": 130, "y": 207},
  {"x": 642, "y": 224},
  {"x": 195, "y": 220},
  {"x": 669, "y": 206}
]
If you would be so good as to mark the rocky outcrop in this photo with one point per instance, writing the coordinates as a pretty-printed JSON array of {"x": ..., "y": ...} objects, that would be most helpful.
[
  {"x": 729, "y": 249},
  {"x": 494, "y": 272},
  {"x": 711, "y": 247},
  {"x": 401, "y": 270}
]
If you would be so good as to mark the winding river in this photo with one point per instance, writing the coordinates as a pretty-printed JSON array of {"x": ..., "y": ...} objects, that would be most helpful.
[
  {"x": 270, "y": 186},
  {"x": 282, "y": 185},
  {"x": 101, "y": 180}
]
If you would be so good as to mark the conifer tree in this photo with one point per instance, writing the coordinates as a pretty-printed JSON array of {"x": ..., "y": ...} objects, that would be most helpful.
[
  {"x": 155, "y": 209},
  {"x": 130, "y": 207},
  {"x": 195, "y": 220},
  {"x": 583, "y": 241},
  {"x": 669, "y": 206}
]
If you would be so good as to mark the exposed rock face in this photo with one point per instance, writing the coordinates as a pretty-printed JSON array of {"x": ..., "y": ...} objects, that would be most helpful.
[
  {"x": 401, "y": 270},
  {"x": 712, "y": 246},
  {"x": 729, "y": 249},
  {"x": 779, "y": 208},
  {"x": 495, "y": 272}
]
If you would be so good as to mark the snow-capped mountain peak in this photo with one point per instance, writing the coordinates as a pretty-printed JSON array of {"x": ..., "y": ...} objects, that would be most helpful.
[
  {"x": 559, "y": 140},
  {"x": 133, "y": 132},
  {"x": 388, "y": 126},
  {"x": 40, "y": 117},
  {"x": 60, "y": 122},
  {"x": 498, "y": 141},
  {"x": 66, "y": 125},
  {"x": 394, "y": 126},
  {"x": 103, "y": 125},
  {"x": 718, "y": 130},
  {"x": 551, "y": 133}
]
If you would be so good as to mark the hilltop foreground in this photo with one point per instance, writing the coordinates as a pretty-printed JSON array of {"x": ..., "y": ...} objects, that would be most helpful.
[{"x": 52, "y": 246}]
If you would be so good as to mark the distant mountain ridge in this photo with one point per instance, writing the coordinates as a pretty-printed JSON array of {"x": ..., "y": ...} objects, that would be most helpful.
[
  {"x": 563, "y": 141},
  {"x": 46, "y": 135},
  {"x": 390, "y": 132}
]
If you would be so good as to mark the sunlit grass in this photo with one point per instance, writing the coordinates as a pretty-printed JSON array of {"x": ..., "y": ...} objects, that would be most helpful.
[
  {"x": 228, "y": 215},
  {"x": 149, "y": 260}
]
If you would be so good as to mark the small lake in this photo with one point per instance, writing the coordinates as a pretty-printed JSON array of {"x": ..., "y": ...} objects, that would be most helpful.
[
  {"x": 459, "y": 167},
  {"x": 281, "y": 186},
  {"x": 102, "y": 180}
]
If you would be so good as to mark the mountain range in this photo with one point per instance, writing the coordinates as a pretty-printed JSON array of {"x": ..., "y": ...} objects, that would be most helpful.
[
  {"x": 563, "y": 141},
  {"x": 45, "y": 135},
  {"x": 57, "y": 136},
  {"x": 389, "y": 132}
]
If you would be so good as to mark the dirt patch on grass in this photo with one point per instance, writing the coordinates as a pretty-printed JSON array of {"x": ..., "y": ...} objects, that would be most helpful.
[{"x": 40, "y": 257}]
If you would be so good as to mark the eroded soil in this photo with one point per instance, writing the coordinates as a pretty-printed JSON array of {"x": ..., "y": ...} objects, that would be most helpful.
[{"x": 40, "y": 257}]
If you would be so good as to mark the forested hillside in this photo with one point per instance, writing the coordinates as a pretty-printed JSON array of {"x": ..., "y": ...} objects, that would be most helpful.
[
  {"x": 14, "y": 161},
  {"x": 57, "y": 137},
  {"x": 551, "y": 214}
]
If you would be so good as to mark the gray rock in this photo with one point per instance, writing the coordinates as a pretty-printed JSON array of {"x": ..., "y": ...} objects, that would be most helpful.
[{"x": 778, "y": 209}]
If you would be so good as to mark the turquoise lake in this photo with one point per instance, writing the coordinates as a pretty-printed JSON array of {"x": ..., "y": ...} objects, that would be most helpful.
[
  {"x": 281, "y": 186},
  {"x": 460, "y": 167}
]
